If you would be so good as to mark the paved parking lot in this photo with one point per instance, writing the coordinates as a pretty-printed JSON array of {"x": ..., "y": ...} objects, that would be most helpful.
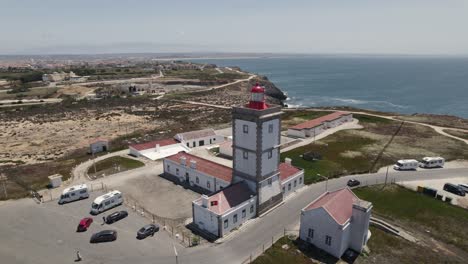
[
  {"x": 46, "y": 233},
  {"x": 439, "y": 186}
]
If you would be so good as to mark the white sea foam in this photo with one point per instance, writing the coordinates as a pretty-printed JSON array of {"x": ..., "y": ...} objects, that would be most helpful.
[{"x": 326, "y": 100}]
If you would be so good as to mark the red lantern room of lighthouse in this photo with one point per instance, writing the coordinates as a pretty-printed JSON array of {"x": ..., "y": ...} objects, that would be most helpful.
[{"x": 257, "y": 98}]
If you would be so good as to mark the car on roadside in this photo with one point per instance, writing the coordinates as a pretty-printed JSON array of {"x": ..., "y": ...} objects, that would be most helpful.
[
  {"x": 455, "y": 189},
  {"x": 104, "y": 236},
  {"x": 353, "y": 183},
  {"x": 84, "y": 224},
  {"x": 116, "y": 216},
  {"x": 147, "y": 230}
]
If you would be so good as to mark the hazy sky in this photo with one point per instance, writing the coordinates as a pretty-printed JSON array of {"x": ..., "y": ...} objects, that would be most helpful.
[{"x": 308, "y": 26}]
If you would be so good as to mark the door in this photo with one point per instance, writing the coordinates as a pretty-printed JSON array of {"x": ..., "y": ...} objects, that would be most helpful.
[
  {"x": 187, "y": 178},
  {"x": 201, "y": 143}
]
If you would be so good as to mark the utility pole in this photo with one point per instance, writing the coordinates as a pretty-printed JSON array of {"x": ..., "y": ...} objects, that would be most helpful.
[
  {"x": 386, "y": 176},
  {"x": 94, "y": 163},
  {"x": 326, "y": 181},
  {"x": 176, "y": 255},
  {"x": 3, "y": 179}
]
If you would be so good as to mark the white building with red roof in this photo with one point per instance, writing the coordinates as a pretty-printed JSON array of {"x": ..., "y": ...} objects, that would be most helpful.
[
  {"x": 222, "y": 211},
  {"x": 199, "y": 138},
  {"x": 158, "y": 149},
  {"x": 291, "y": 178},
  {"x": 314, "y": 127},
  {"x": 198, "y": 172},
  {"x": 336, "y": 221}
]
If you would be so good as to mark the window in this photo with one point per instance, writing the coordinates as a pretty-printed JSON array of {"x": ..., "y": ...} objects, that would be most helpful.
[
  {"x": 243, "y": 213},
  {"x": 234, "y": 218},
  {"x": 168, "y": 168},
  {"x": 226, "y": 223},
  {"x": 270, "y": 154},
  {"x": 295, "y": 183},
  {"x": 177, "y": 171},
  {"x": 289, "y": 186},
  {"x": 284, "y": 189},
  {"x": 269, "y": 181},
  {"x": 245, "y": 128},
  {"x": 245, "y": 154},
  {"x": 83, "y": 191},
  {"x": 300, "y": 180},
  {"x": 251, "y": 209},
  {"x": 214, "y": 139},
  {"x": 188, "y": 144},
  {"x": 328, "y": 240},
  {"x": 208, "y": 184},
  {"x": 311, "y": 233},
  {"x": 197, "y": 180},
  {"x": 194, "y": 144},
  {"x": 270, "y": 128}
]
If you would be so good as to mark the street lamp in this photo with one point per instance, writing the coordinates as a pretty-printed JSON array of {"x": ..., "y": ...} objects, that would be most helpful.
[{"x": 326, "y": 182}]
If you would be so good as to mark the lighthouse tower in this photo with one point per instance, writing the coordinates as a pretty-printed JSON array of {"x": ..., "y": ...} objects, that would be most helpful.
[{"x": 256, "y": 153}]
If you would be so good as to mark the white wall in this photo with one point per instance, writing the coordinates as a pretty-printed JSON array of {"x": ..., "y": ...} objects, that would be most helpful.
[
  {"x": 205, "y": 219},
  {"x": 323, "y": 225},
  {"x": 99, "y": 146},
  {"x": 193, "y": 174},
  {"x": 134, "y": 152},
  {"x": 296, "y": 133},
  {"x": 267, "y": 191},
  {"x": 299, "y": 178},
  {"x": 225, "y": 149},
  {"x": 214, "y": 140},
  {"x": 249, "y": 140},
  {"x": 269, "y": 140},
  {"x": 238, "y": 210},
  {"x": 248, "y": 165},
  {"x": 270, "y": 164},
  {"x": 314, "y": 131},
  {"x": 360, "y": 226}
]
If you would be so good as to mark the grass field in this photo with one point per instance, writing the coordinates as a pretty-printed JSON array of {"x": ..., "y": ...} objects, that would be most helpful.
[
  {"x": 413, "y": 210},
  {"x": 109, "y": 165},
  {"x": 357, "y": 151},
  {"x": 278, "y": 255}
]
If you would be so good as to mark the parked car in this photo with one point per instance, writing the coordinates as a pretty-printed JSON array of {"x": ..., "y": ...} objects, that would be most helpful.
[
  {"x": 84, "y": 224},
  {"x": 104, "y": 236},
  {"x": 464, "y": 187},
  {"x": 147, "y": 230},
  {"x": 116, "y": 216},
  {"x": 455, "y": 189},
  {"x": 353, "y": 182}
]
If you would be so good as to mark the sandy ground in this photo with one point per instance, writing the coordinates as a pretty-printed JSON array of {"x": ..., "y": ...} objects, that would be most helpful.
[
  {"x": 31, "y": 141},
  {"x": 438, "y": 185}
]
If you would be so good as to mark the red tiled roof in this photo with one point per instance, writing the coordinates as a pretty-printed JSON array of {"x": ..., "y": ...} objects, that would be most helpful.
[
  {"x": 229, "y": 197},
  {"x": 315, "y": 122},
  {"x": 287, "y": 170},
  {"x": 195, "y": 134},
  {"x": 206, "y": 166},
  {"x": 152, "y": 144},
  {"x": 338, "y": 204}
]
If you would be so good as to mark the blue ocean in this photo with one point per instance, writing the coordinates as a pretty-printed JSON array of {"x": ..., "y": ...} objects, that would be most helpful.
[{"x": 408, "y": 85}]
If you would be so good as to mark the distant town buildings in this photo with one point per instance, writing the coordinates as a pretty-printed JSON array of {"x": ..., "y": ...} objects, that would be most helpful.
[
  {"x": 63, "y": 76},
  {"x": 336, "y": 221},
  {"x": 317, "y": 126}
]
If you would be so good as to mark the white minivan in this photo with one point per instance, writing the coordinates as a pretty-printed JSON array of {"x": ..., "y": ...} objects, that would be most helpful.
[
  {"x": 409, "y": 164},
  {"x": 106, "y": 202},
  {"x": 74, "y": 193},
  {"x": 432, "y": 162}
]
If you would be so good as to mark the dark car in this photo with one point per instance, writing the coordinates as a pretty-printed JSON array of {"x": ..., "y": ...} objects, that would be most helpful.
[
  {"x": 116, "y": 216},
  {"x": 147, "y": 230},
  {"x": 84, "y": 224},
  {"x": 353, "y": 182},
  {"x": 455, "y": 189},
  {"x": 104, "y": 236}
]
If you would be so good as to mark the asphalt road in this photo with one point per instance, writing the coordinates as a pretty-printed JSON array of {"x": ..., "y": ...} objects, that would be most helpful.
[{"x": 32, "y": 233}]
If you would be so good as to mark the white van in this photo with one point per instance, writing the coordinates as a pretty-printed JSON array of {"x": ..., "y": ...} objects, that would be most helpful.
[
  {"x": 432, "y": 162},
  {"x": 74, "y": 193},
  {"x": 409, "y": 164},
  {"x": 106, "y": 202}
]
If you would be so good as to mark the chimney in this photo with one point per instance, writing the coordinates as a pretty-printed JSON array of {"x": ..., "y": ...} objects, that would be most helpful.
[
  {"x": 157, "y": 148},
  {"x": 183, "y": 160},
  {"x": 204, "y": 201},
  {"x": 193, "y": 164},
  {"x": 287, "y": 161}
]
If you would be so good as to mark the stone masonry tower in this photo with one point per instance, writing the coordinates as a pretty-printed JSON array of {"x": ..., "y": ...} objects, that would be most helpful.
[{"x": 256, "y": 153}]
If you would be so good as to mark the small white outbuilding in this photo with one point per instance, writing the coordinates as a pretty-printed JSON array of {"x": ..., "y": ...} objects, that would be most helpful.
[{"x": 55, "y": 180}]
